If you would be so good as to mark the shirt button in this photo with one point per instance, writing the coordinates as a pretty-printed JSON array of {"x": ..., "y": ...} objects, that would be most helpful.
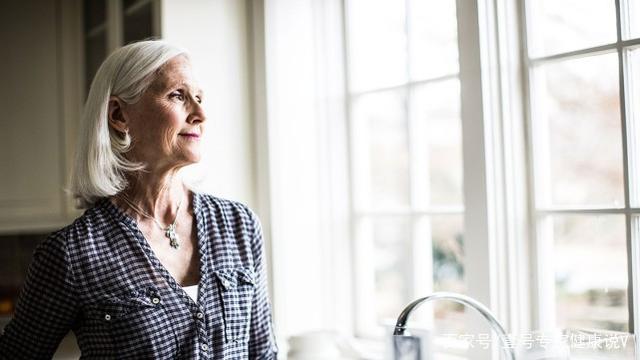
[
  {"x": 204, "y": 347},
  {"x": 107, "y": 317},
  {"x": 226, "y": 283},
  {"x": 155, "y": 300},
  {"x": 199, "y": 315}
]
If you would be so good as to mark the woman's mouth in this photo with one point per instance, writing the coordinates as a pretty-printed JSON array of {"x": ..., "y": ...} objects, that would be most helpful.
[{"x": 191, "y": 136}]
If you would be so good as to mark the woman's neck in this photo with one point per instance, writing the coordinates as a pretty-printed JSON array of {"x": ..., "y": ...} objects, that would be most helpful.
[{"x": 155, "y": 194}]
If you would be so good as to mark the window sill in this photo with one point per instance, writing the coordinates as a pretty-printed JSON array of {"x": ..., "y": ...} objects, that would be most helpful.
[{"x": 585, "y": 346}]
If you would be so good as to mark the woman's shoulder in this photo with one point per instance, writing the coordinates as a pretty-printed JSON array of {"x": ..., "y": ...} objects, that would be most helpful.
[
  {"x": 232, "y": 218},
  {"x": 214, "y": 205},
  {"x": 86, "y": 226},
  {"x": 60, "y": 241}
]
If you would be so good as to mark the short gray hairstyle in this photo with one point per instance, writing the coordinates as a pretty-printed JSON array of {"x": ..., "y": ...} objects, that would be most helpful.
[{"x": 100, "y": 165}]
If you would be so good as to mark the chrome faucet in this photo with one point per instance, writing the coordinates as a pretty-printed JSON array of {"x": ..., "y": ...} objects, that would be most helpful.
[{"x": 401, "y": 324}]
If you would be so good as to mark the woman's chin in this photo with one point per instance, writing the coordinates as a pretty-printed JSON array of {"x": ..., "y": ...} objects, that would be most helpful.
[
  {"x": 183, "y": 162},
  {"x": 193, "y": 159},
  {"x": 189, "y": 156}
]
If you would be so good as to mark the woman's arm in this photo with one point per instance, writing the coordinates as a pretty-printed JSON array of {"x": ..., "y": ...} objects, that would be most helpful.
[
  {"x": 46, "y": 306},
  {"x": 262, "y": 343}
]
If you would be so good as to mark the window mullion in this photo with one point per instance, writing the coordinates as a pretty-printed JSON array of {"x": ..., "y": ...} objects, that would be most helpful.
[
  {"x": 534, "y": 295},
  {"x": 512, "y": 152},
  {"x": 631, "y": 233},
  {"x": 480, "y": 210}
]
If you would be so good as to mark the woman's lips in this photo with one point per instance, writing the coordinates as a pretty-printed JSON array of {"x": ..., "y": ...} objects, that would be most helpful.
[{"x": 191, "y": 136}]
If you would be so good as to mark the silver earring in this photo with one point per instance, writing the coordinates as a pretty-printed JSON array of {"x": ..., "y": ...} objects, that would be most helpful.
[{"x": 127, "y": 138}]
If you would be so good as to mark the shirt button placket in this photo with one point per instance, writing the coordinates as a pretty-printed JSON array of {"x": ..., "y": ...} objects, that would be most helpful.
[{"x": 202, "y": 332}]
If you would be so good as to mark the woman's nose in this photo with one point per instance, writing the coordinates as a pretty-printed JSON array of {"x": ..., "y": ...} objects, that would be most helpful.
[{"x": 196, "y": 112}]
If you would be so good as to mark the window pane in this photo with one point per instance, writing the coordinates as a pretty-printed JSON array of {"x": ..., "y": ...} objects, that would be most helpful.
[
  {"x": 381, "y": 173},
  {"x": 557, "y": 26},
  {"x": 436, "y": 263},
  {"x": 433, "y": 39},
  {"x": 633, "y": 19},
  {"x": 589, "y": 258},
  {"x": 377, "y": 44},
  {"x": 448, "y": 271},
  {"x": 437, "y": 144},
  {"x": 577, "y": 134},
  {"x": 392, "y": 253},
  {"x": 633, "y": 122},
  {"x": 410, "y": 264}
]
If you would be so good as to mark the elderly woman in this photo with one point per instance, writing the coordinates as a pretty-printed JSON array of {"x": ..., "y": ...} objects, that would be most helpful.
[{"x": 152, "y": 269}]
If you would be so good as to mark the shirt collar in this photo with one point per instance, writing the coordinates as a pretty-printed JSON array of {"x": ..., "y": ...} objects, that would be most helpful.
[{"x": 120, "y": 215}]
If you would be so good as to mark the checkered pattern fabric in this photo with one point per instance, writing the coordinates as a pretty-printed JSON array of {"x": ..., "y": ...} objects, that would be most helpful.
[{"x": 100, "y": 278}]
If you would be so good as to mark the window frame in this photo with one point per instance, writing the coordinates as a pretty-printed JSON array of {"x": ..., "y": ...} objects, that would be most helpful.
[
  {"x": 494, "y": 159},
  {"x": 538, "y": 213},
  {"x": 499, "y": 217},
  {"x": 412, "y": 214}
]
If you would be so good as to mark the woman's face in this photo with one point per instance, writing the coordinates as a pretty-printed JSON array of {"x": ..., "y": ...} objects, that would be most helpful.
[{"x": 166, "y": 124}]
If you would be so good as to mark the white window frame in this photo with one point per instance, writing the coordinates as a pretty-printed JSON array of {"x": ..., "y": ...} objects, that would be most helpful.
[
  {"x": 543, "y": 294},
  {"x": 499, "y": 218},
  {"x": 364, "y": 282},
  {"x": 495, "y": 214},
  {"x": 273, "y": 97}
]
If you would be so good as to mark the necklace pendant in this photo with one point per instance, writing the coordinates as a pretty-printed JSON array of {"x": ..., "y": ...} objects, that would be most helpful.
[{"x": 173, "y": 237}]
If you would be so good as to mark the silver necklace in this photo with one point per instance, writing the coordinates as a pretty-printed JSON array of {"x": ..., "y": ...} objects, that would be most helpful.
[{"x": 169, "y": 231}]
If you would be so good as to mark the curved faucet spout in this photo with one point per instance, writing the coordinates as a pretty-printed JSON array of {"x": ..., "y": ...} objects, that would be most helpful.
[{"x": 401, "y": 324}]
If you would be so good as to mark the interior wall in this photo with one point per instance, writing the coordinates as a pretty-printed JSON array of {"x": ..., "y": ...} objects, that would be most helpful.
[{"x": 215, "y": 33}]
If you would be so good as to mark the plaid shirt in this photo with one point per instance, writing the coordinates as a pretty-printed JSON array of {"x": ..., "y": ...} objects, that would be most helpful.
[{"x": 100, "y": 278}]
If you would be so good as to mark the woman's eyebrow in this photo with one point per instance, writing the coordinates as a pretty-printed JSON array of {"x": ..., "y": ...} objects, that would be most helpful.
[{"x": 191, "y": 88}]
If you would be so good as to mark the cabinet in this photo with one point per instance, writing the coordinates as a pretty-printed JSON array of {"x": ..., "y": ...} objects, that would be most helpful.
[
  {"x": 109, "y": 24},
  {"x": 32, "y": 136},
  {"x": 53, "y": 50}
]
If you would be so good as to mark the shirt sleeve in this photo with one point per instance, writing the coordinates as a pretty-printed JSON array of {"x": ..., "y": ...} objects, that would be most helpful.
[
  {"x": 262, "y": 344},
  {"x": 46, "y": 306}
]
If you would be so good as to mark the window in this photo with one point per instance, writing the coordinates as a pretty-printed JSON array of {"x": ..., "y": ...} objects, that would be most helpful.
[
  {"x": 580, "y": 63},
  {"x": 543, "y": 197},
  {"x": 406, "y": 156},
  {"x": 404, "y": 103}
]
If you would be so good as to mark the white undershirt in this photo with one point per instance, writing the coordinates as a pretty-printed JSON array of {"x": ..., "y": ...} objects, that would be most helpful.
[{"x": 192, "y": 291}]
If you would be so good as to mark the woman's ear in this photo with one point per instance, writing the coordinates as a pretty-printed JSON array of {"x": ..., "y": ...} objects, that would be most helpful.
[{"x": 117, "y": 119}]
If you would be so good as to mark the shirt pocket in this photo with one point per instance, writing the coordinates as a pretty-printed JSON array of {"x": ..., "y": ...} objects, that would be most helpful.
[
  {"x": 137, "y": 325},
  {"x": 236, "y": 292}
]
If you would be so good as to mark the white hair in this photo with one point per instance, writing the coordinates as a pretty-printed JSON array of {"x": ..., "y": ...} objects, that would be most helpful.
[{"x": 100, "y": 166}]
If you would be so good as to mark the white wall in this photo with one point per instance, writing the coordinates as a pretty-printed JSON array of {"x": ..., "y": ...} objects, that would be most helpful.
[{"x": 215, "y": 32}]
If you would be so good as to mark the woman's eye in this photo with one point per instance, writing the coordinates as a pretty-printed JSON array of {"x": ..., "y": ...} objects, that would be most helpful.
[
  {"x": 177, "y": 95},
  {"x": 199, "y": 99}
]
